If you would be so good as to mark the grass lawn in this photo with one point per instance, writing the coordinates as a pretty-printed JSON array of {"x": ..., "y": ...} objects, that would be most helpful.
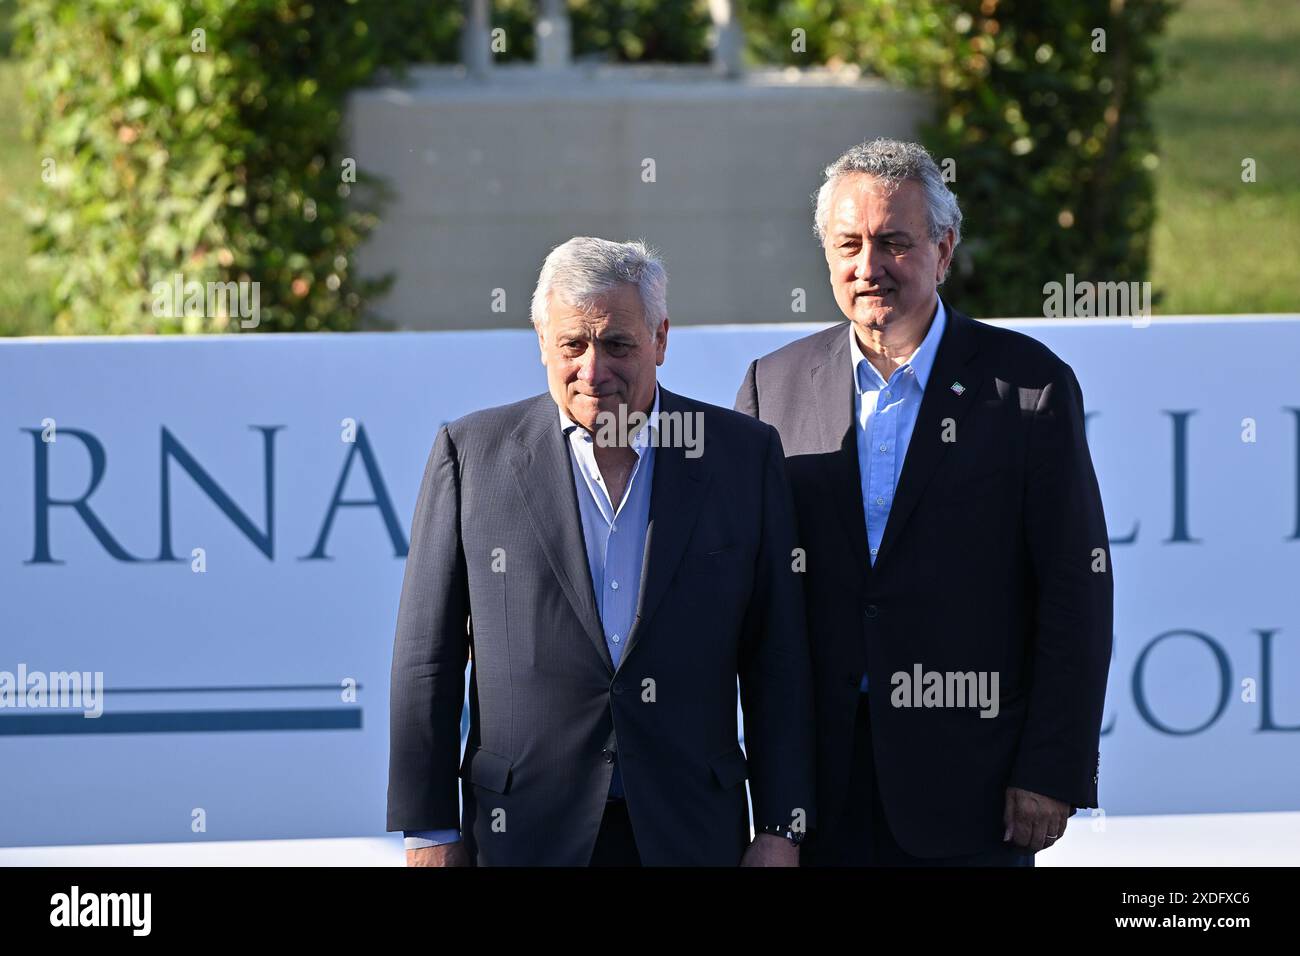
[{"x": 1233, "y": 91}]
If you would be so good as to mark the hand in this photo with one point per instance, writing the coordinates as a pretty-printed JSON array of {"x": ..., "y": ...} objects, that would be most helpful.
[
  {"x": 1032, "y": 820},
  {"x": 768, "y": 849},
  {"x": 449, "y": 854}
]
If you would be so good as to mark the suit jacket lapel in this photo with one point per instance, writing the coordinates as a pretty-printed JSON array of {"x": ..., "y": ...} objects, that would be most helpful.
[
  {"x": 832, "y": 386},
  {"x": 925, "y": 450},
  {"x": 544, "y": 474},
  {"x": 678, "y": 492}
]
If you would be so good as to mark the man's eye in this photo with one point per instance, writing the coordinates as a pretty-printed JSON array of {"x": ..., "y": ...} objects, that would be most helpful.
[{"x": 617, "y": 349}]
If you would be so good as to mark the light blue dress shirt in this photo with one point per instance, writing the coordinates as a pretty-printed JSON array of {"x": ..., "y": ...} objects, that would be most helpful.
[
  {"x": 886, "y": 415},
  {"x": 615, "y": 540}
]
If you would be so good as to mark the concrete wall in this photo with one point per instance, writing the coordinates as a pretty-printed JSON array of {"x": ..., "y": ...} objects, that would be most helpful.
[{"x": 490, "y": 175}]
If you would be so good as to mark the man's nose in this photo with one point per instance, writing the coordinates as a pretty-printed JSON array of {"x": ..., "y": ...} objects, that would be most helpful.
[
  {"x": 589, "y": 366},
  {"x": 870, "y": 262}
]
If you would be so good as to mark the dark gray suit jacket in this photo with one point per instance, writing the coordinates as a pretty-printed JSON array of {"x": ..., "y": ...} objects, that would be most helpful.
[
  {"x": 987, "y": 564},
  {"x": 549, "y": 714}
]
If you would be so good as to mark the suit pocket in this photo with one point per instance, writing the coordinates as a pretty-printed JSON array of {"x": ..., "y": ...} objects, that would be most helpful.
[
  {"x": 485, "y": 769},
  {"x": 732, "y": 559},
  {"x": 712, "y": 553},
  {"x": 984, "y": 484},
  {"x": 729, "y": 768},
  {"x": 717, "y": 582}
]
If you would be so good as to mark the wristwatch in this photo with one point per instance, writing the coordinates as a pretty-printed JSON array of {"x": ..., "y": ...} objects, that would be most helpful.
[{"x": 782, "y": 830}]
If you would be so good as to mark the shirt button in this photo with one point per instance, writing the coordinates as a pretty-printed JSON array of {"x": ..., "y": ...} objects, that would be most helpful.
[
  {"x": 880, "y": 500},
  {"x": 614, "y": 585},
  {"x": 873, "y": 551},
  {"x": 614, "y": 638},
  {"x": 884, "y": 447}
]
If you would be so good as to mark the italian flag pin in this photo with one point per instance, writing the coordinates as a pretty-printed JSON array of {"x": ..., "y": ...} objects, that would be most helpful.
[{"x": 957, "y": 387}]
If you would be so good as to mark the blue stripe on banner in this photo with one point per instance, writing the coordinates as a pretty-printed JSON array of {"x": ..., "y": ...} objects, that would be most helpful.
[
  {"x": 226, "y": 690},
  {"x": 183, "y": 722}
]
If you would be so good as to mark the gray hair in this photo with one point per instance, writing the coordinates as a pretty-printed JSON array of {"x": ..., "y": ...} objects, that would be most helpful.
[
  {"x": 583, "y": 269},
  {"x": 892, "y": 162}
]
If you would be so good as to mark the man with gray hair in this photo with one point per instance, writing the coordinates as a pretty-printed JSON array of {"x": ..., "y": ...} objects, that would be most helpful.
[
  {"x": 613, "y": 584},
  {"x": 953, "y": 527}
]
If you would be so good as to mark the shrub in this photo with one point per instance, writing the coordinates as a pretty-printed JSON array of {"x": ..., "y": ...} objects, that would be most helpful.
[
  {"x": 202, "y": 137},
  {"x": 221, "y": 160},
  {"x": 1051, "y": 137}
]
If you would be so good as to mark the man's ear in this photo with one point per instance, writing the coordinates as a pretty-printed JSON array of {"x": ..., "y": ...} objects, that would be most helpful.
[
  {"x": 945, "y": 255},
  {"x": 541, "y": 343},
  {"x": 661, "y": 342}
]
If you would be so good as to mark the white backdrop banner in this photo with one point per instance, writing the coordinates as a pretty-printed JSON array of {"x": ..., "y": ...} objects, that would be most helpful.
[{"x": 217, "y": 526}]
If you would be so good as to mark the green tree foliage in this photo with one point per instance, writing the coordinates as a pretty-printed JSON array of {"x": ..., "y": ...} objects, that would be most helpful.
[
  {"x": 614, "y": 31},
  {"x": 222, "y": 160},
  {"x": 1046, "y": 120},
  {"x": 202, "y": 137}
]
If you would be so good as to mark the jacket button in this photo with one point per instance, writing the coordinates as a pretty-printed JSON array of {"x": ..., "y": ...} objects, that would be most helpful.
[
  {"x": 871, "y": 611},
  {"x": 608, "y": 755},
  {"x": 618, "y": 687}
]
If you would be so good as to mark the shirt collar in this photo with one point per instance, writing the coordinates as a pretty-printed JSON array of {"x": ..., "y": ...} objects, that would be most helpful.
[
  {"x": 922, "y": 360},
  {"x": 572, "y": 428}
]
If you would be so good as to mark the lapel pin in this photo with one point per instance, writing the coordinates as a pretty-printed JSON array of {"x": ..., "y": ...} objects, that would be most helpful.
[{"x": 957, "y": 387}]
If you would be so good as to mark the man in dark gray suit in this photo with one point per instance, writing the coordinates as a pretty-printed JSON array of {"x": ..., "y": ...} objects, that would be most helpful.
[
  {"x": 959, "y": 590},
  {"x": 612, "y": 583}
]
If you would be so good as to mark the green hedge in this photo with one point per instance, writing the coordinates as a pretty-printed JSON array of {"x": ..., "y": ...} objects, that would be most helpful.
[
  {"x": 223, "y": 163},
  {"x": 1052, "y": 143},
  {"x": 617, "y": 31}
]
